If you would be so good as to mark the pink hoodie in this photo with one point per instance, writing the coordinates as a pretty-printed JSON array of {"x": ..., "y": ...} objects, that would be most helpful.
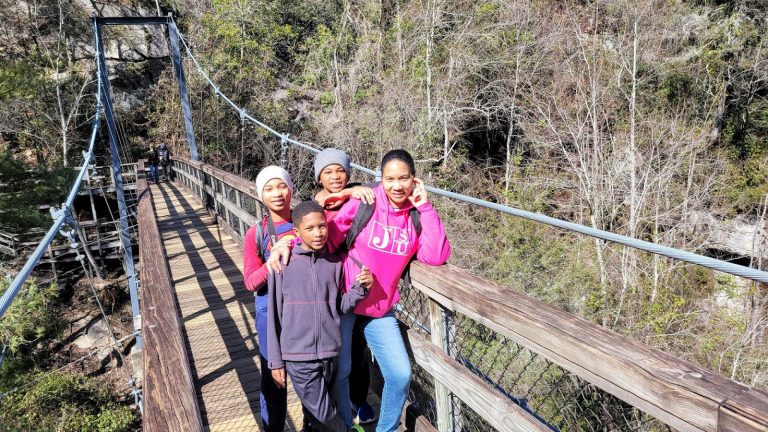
[{"x": 385, "y": 246}]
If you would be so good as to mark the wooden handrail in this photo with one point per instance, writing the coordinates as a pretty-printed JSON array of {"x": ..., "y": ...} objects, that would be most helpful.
[
  {"x": 679, "y": 393},
  {"x": 170, "y": 400}
]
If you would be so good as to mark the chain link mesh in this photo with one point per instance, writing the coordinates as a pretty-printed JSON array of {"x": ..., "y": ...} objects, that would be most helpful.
[{"x": 557, "y": 397}]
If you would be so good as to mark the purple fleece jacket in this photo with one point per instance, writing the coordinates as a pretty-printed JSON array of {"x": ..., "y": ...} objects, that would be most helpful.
[{"x": 305, "y": 300}]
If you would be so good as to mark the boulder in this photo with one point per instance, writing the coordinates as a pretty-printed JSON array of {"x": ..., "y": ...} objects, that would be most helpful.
[{"x": 97, "y": 335}]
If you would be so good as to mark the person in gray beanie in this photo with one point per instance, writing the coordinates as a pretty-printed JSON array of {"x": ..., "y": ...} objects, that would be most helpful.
[
  {"x": 332, "y": 156},
  {"x": 333, "y": 171}
]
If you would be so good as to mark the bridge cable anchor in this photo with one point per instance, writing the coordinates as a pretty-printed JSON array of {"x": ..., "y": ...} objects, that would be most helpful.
[{"x": 283, "y": 149}]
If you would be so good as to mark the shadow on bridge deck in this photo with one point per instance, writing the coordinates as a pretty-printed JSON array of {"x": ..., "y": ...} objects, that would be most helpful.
[{"x": 216, "y": 311}]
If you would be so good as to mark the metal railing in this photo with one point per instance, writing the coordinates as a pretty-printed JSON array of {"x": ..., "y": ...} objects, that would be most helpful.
[
  {"x": 64, "y": 213},
  {"x": 704, "y": 261}
]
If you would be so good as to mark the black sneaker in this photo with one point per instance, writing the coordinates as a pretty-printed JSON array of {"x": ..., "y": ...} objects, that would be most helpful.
[{"x": 364, "y": 414}]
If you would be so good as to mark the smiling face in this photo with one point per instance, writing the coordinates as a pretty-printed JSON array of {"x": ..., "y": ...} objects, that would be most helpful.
[
  {"x": 397, "y": 179},
  {"x": 276, "y": 195},
  {"x": 313, "y": 231},
  {"x": 334, "y": 178}
]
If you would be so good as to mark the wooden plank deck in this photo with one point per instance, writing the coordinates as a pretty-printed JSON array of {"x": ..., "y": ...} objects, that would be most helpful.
[{"x": 216, "y": 313}]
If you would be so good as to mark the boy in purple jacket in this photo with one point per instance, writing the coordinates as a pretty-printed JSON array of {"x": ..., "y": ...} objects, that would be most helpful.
[{"x": 305, "y": 302}]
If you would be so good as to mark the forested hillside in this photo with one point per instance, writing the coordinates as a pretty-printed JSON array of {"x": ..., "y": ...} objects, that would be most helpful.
[
  {"x": 643, "y": 118},
  {"x": 648, "y": 118}
]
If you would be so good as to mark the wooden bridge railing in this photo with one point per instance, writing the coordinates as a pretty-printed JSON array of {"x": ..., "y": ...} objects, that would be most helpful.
[
  {"x": 9, "y": 244},
  {"x": 169, "y": 397},
  {"x": 679, "y": 393},
  {"x": 454, "y": 315}
]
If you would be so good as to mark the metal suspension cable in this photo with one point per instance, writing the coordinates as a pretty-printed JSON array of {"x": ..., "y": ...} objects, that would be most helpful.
[
  {"x": 59, "y": 216},
  {"x": 712, "y": 263}
]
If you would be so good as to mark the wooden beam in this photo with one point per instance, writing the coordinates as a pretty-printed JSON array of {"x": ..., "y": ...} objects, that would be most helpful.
[
  {"x": 170, "y": 400},
  {"x": 438, "y": 337},
  {"x": 679, "y": 393},
  {"x": 495, "y": 408}
]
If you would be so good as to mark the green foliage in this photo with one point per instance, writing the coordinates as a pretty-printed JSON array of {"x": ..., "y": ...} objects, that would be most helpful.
[
  {"x": 676, "y": 87},
  {"x": 19, "y": 80},
  {"x": 64, "y": 402},
  {"x": 542, "y": 261},
  {"x": 24, "y": 188},
  {"x": 327, "y": 99},
  {"x": 30, "y": 317},
  {"x": 487, "y": 8},
  {"x": 745, "y": 183}
]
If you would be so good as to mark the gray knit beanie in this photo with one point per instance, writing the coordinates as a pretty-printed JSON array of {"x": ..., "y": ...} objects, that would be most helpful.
[{"x": 331, "y": 156}]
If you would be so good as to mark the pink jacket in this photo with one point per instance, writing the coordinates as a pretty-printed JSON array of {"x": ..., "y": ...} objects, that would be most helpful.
[{"x": 385, "y": 246}]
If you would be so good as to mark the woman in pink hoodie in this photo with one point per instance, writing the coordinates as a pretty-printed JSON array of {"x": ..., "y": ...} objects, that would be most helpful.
[{"x": 386, "y": 245}]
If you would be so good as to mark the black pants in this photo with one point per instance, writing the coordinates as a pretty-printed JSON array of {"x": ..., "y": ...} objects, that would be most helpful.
[
  {"x": 315, "y": 384},
  {"x": 360, "y": 374}
]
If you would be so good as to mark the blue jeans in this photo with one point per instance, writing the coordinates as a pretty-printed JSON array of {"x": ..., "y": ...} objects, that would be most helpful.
[
  {"x": 273, "y": 400},
  {"x": 386, "y": 344},
  {"x": 345, "y": 367},
  {"x": 153, "y": 173}
]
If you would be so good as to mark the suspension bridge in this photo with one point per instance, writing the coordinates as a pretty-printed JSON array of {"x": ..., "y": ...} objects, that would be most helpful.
[{"x": 483, "y": 356}]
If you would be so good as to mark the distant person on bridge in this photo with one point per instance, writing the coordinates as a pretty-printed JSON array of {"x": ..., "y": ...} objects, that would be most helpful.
[
  {"x": 153, "y": 158},
  {"x": 305, "y": 302},
  {"x": 275, "y": 189},
  {"x": 333, "y": 172},
  {"x": 389, "y": 239},
  {"x": 165, "y": 161}
]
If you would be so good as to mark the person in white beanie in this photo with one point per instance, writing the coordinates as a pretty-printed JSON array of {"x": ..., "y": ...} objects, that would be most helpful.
[{"x": 275, "y": 189}]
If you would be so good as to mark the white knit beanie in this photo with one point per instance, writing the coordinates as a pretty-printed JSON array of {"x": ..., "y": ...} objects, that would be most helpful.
[{"x": 269, "y": 173}]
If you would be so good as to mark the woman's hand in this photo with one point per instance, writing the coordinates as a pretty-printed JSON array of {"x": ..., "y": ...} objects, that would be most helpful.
[
  {"x": 278, "y": 376},
  {"x": 365, "y": 278},
  {"x": 419, "y": 195},
  {"x": 278, "y": 257}
]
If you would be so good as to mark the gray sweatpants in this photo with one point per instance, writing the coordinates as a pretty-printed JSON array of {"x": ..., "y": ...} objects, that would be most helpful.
[{"x": 314, "y": 383}]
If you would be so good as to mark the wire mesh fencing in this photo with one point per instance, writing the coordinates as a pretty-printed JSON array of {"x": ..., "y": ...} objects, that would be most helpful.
[{"x": 555, "y": 396}]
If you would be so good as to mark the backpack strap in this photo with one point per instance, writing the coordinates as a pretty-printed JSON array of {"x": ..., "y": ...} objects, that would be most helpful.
[
  {"x": 258, "y": 239},
  {"x": 363, "y": 215},
  {"x": 415, "y": 220},
  {"x": 263, "y": 241},
  {"x": 272, "y": 232}
]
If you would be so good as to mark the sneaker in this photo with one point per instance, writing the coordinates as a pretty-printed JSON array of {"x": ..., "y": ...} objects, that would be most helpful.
[
  {"x": 356, "y": 428},
  {"x": 364, "y": 414}
]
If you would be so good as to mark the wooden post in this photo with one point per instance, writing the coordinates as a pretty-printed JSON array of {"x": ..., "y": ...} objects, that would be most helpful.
[
  {"x": 87, "y": 250},
  {"x": 439, "y": 339},
  {"x": 239, "y": 198},
  {"x": 89, "y": 185},
  {"x": 53, "y": 264}
]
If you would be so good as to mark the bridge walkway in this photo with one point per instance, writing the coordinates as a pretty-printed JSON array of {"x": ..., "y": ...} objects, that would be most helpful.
[{"x": 216, "y": 312}]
